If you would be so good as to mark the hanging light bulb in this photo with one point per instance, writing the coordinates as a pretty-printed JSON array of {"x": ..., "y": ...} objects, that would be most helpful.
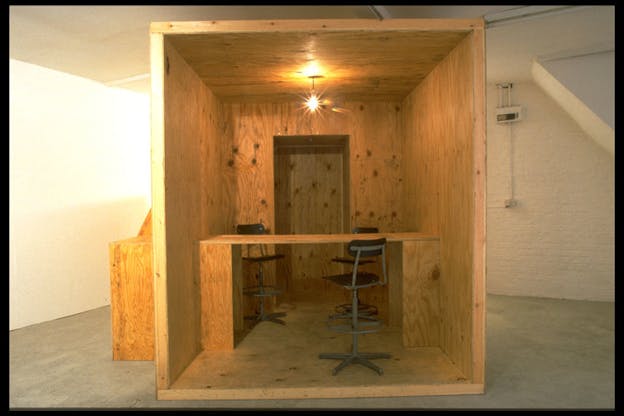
[{"x": 313, "y": 101}]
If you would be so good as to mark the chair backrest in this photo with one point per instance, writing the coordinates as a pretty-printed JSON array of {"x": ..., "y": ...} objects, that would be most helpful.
[
  {"x": 250, "y": 229},
  {"x": 364, "y": 230},
  {"x": 369, "y": 248}
]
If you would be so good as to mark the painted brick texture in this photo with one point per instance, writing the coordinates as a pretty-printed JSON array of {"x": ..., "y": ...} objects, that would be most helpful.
[{"x": 559, "y": 241}]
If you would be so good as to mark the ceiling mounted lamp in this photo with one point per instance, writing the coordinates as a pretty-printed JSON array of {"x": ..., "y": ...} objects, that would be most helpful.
[{"x": 313, "y": 100}]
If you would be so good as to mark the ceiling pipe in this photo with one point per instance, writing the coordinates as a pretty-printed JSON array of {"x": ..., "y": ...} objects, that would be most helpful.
[{"x": 524, "y": 13}]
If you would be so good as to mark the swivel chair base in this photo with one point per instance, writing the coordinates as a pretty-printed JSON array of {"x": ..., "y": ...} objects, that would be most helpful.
[
  {"x": 357, "y": 358},
  {"x": 272, "y": 317}
]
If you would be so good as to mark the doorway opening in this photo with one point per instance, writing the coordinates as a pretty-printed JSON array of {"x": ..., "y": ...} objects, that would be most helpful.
[{"x": 311, "y": 197}]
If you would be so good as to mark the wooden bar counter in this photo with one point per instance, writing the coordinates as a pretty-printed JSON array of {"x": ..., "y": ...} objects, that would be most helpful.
[{"x": 413, "y": 279}]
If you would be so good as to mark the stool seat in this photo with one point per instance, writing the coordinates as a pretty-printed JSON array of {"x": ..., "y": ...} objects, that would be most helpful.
[
  {"x": 362, "y": 279},
  {"x": 260, "y": 259}
]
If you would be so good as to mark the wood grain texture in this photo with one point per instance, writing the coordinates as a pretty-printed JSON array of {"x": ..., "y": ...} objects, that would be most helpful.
[
  {"x": 394, "y": 259},
  {"x": 409, "y": 301},
  {"x": 146, "y": 227},
  {"x": 159, "y": 241},
  {"x": 132, "y": 299},
  {"x": 314, "y": 25},
  {"x": 368, "y": 60},
  {"x": 370, "y": 169},
  {"x": 412, "y": 161},
  {"x": 439, "y": 142},
  {"x": 217, "y": 297},
  {"x": 421, "y": 293},
  {"x": 192, "y": 194},
  {"x": 479, "y": 233},
  {"x": 315, "y": 238},
  {"x": 374, "y": 131},
  {"x": 278, "y": 361},
  {"x": 310, "y": 199}
]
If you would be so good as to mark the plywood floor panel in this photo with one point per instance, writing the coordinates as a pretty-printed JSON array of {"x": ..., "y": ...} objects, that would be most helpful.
[{"x": 282, "y": 361}]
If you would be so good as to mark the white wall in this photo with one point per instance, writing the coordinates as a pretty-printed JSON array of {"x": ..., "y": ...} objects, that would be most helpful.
[
  {"x": 79, "y": 177},
  {"x": 591, "y": 78},
  {"x": 559, "y": 241}
]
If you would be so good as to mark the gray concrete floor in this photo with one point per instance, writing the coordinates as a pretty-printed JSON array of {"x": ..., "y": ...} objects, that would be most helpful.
[{"x": 540, "y": 354}]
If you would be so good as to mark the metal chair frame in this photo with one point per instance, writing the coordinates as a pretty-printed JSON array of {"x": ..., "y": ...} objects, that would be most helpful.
[
  {"x": 359, "y": 280},
  {"x": 261, "y": 291}
]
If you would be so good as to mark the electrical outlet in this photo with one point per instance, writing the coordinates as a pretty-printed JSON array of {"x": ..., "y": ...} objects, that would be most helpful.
[{"x": 510, "y": 203}]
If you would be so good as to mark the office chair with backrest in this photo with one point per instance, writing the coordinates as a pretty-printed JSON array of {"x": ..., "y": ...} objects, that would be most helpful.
[
  {"x": 354, "y": 281},
  {"x": 365, "y": 310},
  {"x": 261, "y": 291}
]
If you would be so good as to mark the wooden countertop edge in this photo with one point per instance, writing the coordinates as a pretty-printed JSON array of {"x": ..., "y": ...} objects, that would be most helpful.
[{"x": 312, "y": 238}]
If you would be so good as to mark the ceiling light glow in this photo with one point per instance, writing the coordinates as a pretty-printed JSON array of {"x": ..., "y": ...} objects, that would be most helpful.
[
  {"x": 312, "y": 103},
  {"x": 312, "y": 70}
]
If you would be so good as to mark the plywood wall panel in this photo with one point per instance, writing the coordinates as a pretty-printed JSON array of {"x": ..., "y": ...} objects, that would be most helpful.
[
  {"x": 374, "y": 164},
  {"x": 192, "y": 199},
  {"x": 132, "y": 299},
  {"x": 439, "y": 188},
  {"x": 310, "y": 200},
  {"x": 421, "y": 297},
  {"x": 363, "y": 122},
  {"x": 217, "y": 301},
  {"x": 479, "y": 224},
  {"x": 376, "y": 176}
]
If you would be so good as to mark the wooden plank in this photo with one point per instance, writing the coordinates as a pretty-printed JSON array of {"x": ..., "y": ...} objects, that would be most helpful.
[
  {"x": 184, "y": 126},
  {"x": 375, "y": 180},
  {"x": 371, "y": 64},
  {"x": 314, "y": 238},
  {"x": 132, "y": 299},
  {"x": 190, "y": 187},
  {"x": 159, "y": 242},
  {"x": 439, "y": 128},
  {"x": 217, "y": 300},
  {"x": 311, "y": 198},
  {"x": 394, "y": 255},
  {"x": 376, "y": 166},
  {"x": 371, "y": 172},
  {"x": 403, "y": 390},
  {"x": 146, "y": 227},
  {"x": 421, "y": 293},
  {"x": 194, "y": 130},
  {"x": 431, "y": 130},
  {"x": 289, "y": 25},
  {"x": 261, "y": 367},
  {"x": 237, "y": 292},
  {"x": 479, "y": 233}
]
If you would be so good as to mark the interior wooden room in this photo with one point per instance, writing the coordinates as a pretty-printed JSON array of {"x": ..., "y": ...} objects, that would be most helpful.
[{"x": 398, "y": 143}]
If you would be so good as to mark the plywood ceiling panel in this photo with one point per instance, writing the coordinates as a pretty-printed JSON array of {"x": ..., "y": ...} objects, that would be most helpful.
[{"x": 356, "y": 65}]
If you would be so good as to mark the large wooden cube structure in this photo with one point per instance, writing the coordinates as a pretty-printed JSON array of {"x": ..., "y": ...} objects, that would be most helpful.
[{"x": 412, "y": 100}]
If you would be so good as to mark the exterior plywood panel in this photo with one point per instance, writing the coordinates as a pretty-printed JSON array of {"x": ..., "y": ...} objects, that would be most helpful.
[
  {"x": 443, "y": 187},
  {"x": 416, "y": 164}
]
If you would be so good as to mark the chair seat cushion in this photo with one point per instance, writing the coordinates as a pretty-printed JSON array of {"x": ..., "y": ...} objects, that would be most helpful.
[
  {"x": 264, "y": 258},
  {"x": 363, "y": 279}
]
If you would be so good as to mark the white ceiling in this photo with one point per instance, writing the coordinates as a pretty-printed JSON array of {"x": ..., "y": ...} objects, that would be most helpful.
[{"x": 110, "y": 44}]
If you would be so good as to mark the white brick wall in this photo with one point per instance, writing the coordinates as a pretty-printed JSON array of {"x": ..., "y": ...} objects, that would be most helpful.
[{"x": 559, "y": 240}]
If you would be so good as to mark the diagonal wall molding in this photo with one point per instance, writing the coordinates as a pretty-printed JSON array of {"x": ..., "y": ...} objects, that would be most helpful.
[{"x": 589, "y": 122}]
